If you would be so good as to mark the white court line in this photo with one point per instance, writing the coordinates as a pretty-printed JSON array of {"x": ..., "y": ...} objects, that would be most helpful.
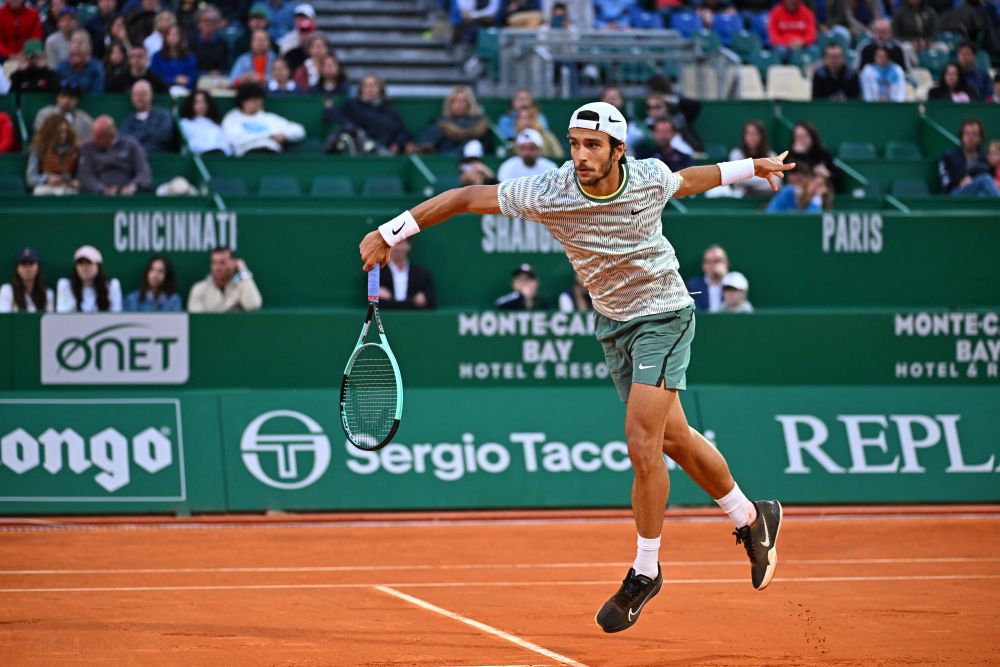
[
  {"x": 460, "y": 584},
  {"x": 482, "y": 627},
  {"x": 496, "y": 566}
]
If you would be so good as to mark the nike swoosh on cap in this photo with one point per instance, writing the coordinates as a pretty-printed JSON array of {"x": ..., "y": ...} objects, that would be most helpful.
[{"x": 615, "y": 120}]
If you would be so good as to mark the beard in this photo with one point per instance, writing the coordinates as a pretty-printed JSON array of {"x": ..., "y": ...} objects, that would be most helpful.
[{"x": 599, "y": 174}]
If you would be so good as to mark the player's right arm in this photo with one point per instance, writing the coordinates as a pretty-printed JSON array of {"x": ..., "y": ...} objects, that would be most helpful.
[{"x": 480, "y": 199}]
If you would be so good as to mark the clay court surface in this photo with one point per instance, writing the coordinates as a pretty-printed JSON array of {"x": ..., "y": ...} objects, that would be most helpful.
[{"x": 855, "y": 589}]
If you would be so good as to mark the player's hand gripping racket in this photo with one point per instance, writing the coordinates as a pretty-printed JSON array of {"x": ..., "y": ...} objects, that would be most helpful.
[{"x": 371, "y": 396}]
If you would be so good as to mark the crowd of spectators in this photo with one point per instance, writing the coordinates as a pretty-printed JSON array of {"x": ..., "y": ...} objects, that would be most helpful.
[{"x": 229, "y": 286}]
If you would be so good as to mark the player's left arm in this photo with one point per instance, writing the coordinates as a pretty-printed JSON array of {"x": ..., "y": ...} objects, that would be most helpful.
[{"x": 700, "y": 179}]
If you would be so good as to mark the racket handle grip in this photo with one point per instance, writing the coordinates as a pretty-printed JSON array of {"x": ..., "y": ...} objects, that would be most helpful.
[{"x": 373, "y": 282}]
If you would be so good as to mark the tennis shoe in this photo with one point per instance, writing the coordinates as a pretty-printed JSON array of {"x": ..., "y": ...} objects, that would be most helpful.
[
  {"x": 760, "y": 539},
  {"x": 623, "y": 609}
]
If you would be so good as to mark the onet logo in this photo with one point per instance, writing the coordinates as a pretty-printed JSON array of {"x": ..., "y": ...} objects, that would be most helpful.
[
  {"x": 285, "y": 450},
  {"x": 75, "y": 354}
]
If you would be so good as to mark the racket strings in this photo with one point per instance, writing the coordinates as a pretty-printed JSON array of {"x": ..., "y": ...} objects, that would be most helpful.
[{"x": 370, "y": 396}]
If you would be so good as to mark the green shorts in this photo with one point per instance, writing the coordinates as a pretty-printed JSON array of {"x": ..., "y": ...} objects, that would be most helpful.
[{"x": 652, "y": 349}]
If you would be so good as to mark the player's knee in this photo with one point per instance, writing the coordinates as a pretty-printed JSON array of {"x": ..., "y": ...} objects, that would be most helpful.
[
  {"x": 674, "y": 447},
  {"x": 644, "y": 453}
]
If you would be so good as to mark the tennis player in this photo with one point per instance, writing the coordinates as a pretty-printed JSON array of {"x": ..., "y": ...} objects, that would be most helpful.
[{"x": 605, "y": 209}]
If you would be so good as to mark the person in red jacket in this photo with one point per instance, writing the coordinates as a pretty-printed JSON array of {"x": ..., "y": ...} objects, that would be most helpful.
[
  {"x": 18, "y": 24},
  {"x": 7, "y": 141},
  {"x": 791, "y": 26}
]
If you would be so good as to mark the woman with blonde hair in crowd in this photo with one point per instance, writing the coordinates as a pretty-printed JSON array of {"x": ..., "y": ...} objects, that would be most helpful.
[
  {"x": 163, "y": 22},
  {"x": 528, "y": 119},
  {"x": 460, "y": 122},
  {"x": 55, "y": 154}
]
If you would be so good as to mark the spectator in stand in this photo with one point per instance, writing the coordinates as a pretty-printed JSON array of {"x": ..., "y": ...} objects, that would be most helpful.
[
  {"x": 853, "y": 15},
  {"x": 138, "y": 70},
  {"x": 754, "y": 144},
  {"x": 405, "y": 285},
  {"x": 99, "y": 26},
  {"x": 951, "y": 86},
  {"x": 527, "y": 119},
  {"x": 186, "y": 11},
  {"x": 7, "y": 140},
  {"x": 298, "y": 54},
  {"x": 460, "y": 122},
  {"x": 471, "y": 168},
  {"x": 993, "y": 158},
  {"x": 307, "y": 74},
  {"x": 473, "y": 15},
  {"x": 883, "y": 80},
  {"x": 332, "y": 77},
  {"x": 228, "y": 287},
  {"x": 577, "y": 298},
  {"x": 280, "y": 18},
  {"x": 111, "y": 164},
  {"x": 18, "y": 23},
  {"x": 612, "y": 14},
  {"x": 140, "y": 21},
  {"x": 115, "y": 63},
  {"x": 154, "y": 42},
  {"x": 881, "y": 37},
  {"x": 57, "y": 44},
  {"x": 88, "y": 289},
  {"x": 808, "y": 148},
  {"x": 613, "y": 96},
  {"x": 976, "y": 78},
  {"x": 529, "y": 160},
  {"x": 211, "y": 52},
  {"x": 201, "y": 125},
  {"x": 976, "y": 20},
  {"x": 256, "y": 20},
  {"x": 806, "y": 190},
  {"x": 53, "y": 160},
  {"x": 734, "y": 294},
  {"x": 524, "y": 296},
  {"x": 233, "y": 11},
  {"x": 79, "y": 66},
  {"x": 251, "y": 129},
  {"x": 305, "y": 15},
  {"x": 33, "y": 75},
  {"x": 67, "y": 98},
  {"x": 572, "y": 14},
  {"x": 522, "y": 99},
  {"x": 964, "y": 170},
  {"x": 158, "y": 293},
  {"x": 791, "y": 26},
  {"x": 255, "y": 65},
  {"x": 682, "y": 110},
  {"x": 375, "y": 115},
  {"x": 525, "y": 14},
  {"x": 662, "y": 150},
  {"x": 281, "y": 82},
  {"x": 174, "y": 63},
  {"x": 914, "y": 23},
  {"x": 26, "y": 292},
  {"x": 152, "y": 127},
  {"x": 834, "y": 80},
  {"x": 706, "y": 289},
  {"x": 117, "y": 32}
]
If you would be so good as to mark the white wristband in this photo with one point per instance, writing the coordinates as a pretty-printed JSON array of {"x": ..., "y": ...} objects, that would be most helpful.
[
  {"x": 735, "y": 171},
  {"x": 401, "y": 227}
]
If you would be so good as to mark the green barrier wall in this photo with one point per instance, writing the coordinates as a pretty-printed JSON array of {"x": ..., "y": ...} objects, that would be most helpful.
[
  {"x": 486, "y": 448},
  {"x": 309, "y": 258},
  {"x": 490, "y": 350}
]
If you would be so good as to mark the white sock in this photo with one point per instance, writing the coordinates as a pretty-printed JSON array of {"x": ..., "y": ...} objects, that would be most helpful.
[
  {"x": 738, "y": 507},
  {"x": 646, "y": 554}
]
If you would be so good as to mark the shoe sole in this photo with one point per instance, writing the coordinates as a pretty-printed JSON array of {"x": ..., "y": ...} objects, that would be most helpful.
[
  {"x": 772, "y": 555},
  {"x": 634, "y": 620}
]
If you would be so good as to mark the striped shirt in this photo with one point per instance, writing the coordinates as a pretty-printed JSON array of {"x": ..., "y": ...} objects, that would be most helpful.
[{"x": 615, "y": 243}]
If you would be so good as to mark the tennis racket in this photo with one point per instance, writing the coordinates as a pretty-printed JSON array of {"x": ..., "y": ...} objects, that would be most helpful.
[{"x": 371, "y": 396}]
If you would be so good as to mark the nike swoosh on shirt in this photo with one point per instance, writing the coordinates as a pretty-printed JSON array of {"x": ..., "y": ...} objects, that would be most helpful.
[
  {"x": 640, "y": 210},
  {"x": 642, "y": 368}
]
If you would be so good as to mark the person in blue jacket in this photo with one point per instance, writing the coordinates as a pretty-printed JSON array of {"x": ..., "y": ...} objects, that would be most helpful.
[
  {"x": 807, "y": 190},
  {"x": 159, "y": 290},
  {"x": 175, "y": 64}
]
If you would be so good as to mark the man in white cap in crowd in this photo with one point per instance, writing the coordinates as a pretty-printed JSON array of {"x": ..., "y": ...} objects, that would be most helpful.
[
  {"x": 734, "y": 293},
  {"x": 305, "y": 15},
  {"x": 605, "y": 209},
  {"x": 529, "y": 160}
]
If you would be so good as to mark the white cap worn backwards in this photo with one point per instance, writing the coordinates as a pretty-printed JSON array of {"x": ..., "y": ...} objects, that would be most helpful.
[{"x": 602, "y": 117}]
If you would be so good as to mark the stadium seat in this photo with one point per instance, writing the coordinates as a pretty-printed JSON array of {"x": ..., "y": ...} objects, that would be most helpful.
[
  {"x": 332, "y": 186},
  {"x": 922, "y": 81},
  {"x": 785, "y": 82},
  {"x": 707, "y": 40},
  {"x": 229, "y": 186},
  {"x": 902, "y": 150},
  {"x": 744, "y": 43},
  {"x": 763, "y": 59},
  {"x": 831, "y": 36},
  {"x": 874, "y": 189},
  {"x": 910, "y": 187},
  {"x": 85, "y": 12},
  {"x": 727, "y": 25},
  {"x": 279, "y": 186},
  {"x": 643, "y": 20},
  {"x": 856, "y": 151},
  {"x": 12, "y": 185},
  {"x": 804, "y": 58},
  {"x": 377, "y": 186},
  {"x": 751, "y": 87},
  {"x": 933, "y": 61},
  {"x": 685, "y": 22}
]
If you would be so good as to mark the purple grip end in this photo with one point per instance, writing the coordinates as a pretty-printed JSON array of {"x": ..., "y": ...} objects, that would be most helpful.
[{"x": 373, "y": 279}]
